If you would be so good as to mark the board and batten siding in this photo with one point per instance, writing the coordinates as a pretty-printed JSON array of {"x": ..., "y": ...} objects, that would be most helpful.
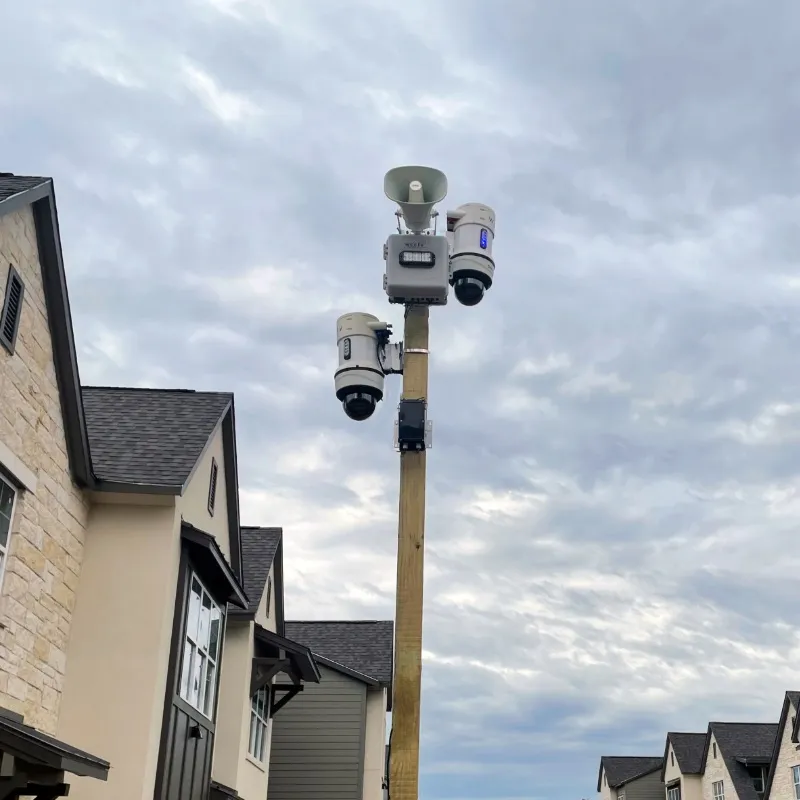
[
  {"x": 648, "y": 787},
  {"x": 318, "y": 742}
]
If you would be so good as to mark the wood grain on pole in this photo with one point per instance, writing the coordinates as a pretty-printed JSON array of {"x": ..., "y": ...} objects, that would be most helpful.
[{"x": 404, "y": 760}]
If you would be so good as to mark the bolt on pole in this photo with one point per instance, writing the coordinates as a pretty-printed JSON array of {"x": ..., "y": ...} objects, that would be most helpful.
[{"x": 407, "y": 688}]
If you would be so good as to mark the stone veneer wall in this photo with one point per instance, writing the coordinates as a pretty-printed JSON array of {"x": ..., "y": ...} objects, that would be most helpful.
[
  {"x": 46, "y": 546},
  {"x": 716, "y": 771},
  {"x": 788, "y": 757}
]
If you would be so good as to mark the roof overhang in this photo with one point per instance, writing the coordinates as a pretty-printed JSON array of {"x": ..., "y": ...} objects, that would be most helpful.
[
  {"x": 41, "y": 760},
  {"x": 301, "y": 664},
  {"x": 210, "y": 562}
]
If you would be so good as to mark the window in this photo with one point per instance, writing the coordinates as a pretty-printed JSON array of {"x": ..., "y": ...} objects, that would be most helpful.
[
  {"x": 212, "y": 487},
  {"x": 714, "y": 746},
  {"x": 269, "y": 594},
  {"x": 672, "y": 758},
  {"x": 674, "y": 792},
  {"x": 796, "y": 778},
  {"x": 7, "y": 498},
  {"x": 759, "y": 777},
  {"x": 200, "y": 650},
  {"x": 621, "y": 796},
  {"x": 718, "y": 788},
  {"x": 259, "y": 716},
  {"x": 12, "y": 310}
]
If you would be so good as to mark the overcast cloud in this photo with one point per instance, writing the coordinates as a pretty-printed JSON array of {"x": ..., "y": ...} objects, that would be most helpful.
[{"x": 613, "y": 493}]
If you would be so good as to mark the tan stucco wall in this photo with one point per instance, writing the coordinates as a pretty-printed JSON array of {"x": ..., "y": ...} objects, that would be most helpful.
[
  {"x": 46, "y": 547},
  {"x": 788, "y": 757},
  {"x": 234, "y": 684},
  {"x": 265, "y": 620},
  {"x": 193, "y": 505},
  {"x": 374, "y": 745},
  {"x": 119, "y": 648},
  {"x": 715, "y": 770},
  {"x": 691, "y": 785}
]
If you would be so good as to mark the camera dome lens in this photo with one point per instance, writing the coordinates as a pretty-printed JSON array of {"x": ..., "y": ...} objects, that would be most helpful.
[
  {"x": 359, "y": 405},
  {"x": 469, "y": 291}
]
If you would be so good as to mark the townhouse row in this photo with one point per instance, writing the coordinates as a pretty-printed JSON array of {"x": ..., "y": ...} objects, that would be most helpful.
[
  {"x": 729, "y": 761},
  {"x": 143, "y": 646}
]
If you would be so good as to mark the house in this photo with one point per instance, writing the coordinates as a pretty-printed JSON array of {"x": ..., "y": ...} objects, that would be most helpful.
[
  {"x": 44, "y": 506},
  {"x": 736, "y": 760},
  {"x": 331, "y": 741},
  {"x": 783, "y": 779},
  {"x": 682, "y": 773},
  {"x": 630, "y": 778},
  {"x": 125, "y": 622}
]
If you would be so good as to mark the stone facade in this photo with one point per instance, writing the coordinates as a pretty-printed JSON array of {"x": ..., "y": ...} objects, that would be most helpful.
[
  {"x": 46, "y": 545},
  {"x": 715, "y": 770},
  {"x": 788, "y": 757}
]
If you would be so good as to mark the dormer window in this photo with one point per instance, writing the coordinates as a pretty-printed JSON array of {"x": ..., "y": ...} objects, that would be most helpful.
[{"x": 212, "y": 487}]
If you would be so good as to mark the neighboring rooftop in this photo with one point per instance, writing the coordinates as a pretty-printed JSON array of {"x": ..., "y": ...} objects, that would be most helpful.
[
  {"x": 11, "y": 184},
  {"x": 739, "y": 741},
  {"x": 688, "y": 749},
  {"x": 259, "y": 546},
  {"x": 363, "y": 646},
  {"x": 623, "y": 769},
  {"x": 149, "y": 437}
]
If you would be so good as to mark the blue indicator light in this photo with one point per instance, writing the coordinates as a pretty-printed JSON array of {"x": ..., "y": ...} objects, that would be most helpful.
[{"x": 484, "y": 238}]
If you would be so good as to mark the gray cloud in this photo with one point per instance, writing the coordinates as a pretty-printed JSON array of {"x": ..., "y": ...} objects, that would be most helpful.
[{"x": 613, "y": 487}]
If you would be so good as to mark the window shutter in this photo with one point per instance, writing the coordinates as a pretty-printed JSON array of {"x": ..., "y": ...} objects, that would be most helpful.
[
  {"x": 12, "y": 309},
  {"x": 212, "y": 488}
]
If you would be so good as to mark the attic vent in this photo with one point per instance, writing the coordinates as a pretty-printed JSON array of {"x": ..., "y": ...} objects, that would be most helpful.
[
  {"x": 12, "y": 310},
  {"x": 212, "y": 487},
  {"x": 269, "y": 595}
]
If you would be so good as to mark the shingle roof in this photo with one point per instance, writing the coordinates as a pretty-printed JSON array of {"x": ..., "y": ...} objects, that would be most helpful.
[
  {"x": 14, "y": 184},
  {"x": 152, "y": 437},
  {"x": 794, "y": 697},
  {"x": 744, "y": 740},
  {"x": 623, "y": 769},
  {"x": 363, "y": 646},
  {"x": 688, "y": 749},
  {"x": 259, "y": 546}
]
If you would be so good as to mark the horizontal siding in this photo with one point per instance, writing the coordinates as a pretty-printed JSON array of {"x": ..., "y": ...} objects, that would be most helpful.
[
  {"x": 648, "y": 787},
  {"x": 317, "y": 750}
]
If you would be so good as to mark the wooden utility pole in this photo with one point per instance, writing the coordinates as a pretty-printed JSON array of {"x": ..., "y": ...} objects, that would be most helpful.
[{"x": 404, "y": 759}]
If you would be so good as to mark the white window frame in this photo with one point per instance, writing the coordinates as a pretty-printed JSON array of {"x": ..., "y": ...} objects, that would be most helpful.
[
  {"x": 4, "y": 549},
  {"x": 674, "y": 792},
  {"x": 197, "y": 644},
  {"x": 259, "y": 724},
  {"x": 718, "y": 790},
  {"x": 796, "y": 779}
]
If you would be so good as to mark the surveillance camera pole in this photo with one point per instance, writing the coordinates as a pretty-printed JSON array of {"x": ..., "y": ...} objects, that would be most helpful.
[{"x": 404, "y": 757}]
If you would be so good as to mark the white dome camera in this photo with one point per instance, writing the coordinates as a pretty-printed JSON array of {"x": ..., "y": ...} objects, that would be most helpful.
[
  {"x": 365, "y": 358},
  {"x": 470, "y": 229}
]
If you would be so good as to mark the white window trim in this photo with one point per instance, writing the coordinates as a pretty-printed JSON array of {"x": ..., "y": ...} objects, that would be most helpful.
[
  {"x": 796, "y": 780},
  {"x": 17, "y": 470},
  {"x": 674, "y": 792},
  {"x": 187, "y": 639},
  {"x": 259, "y": 722},
  {"x": 4, "y": 551},
  {"x": 718, "y": 795}
]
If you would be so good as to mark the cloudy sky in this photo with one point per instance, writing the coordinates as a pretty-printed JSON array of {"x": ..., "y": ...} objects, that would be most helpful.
[{"x": 613, "y": 490}]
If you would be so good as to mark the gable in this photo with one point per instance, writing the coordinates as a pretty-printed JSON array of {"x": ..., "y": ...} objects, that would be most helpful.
[{"x": 780, "y": 781}]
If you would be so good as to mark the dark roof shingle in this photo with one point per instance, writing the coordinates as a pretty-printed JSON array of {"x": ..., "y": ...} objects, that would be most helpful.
[
  {"x": 744, "y": 740},
  {"x": 259, "y": 546},
  {"x": 688, "y": 749},
  {"x": 149, "y": 437},
  {"x": 623, "y": 769},
  {"x": 14, "y": 184},
  {"x": 363, "y": 646}
]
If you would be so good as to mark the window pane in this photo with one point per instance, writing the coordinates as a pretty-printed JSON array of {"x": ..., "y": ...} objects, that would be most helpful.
[
  {"x": 251, "y": 748},
  {"x": 198, "y": 672},
  {"x": 6, "y": 504},
  {"x": 213, "y": 639},
  {"x": 205, "y": 619},
  {"x": 259, "y": 738},
  {"x": 194, "y": 611},
  {"x": 208, "y": 702},
  {"x": 186, "y": 669},
  {"x": 263, "y": 741}
]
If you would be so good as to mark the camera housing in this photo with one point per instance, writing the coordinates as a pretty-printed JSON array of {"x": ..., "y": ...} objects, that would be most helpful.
[
  {"x": 470, "y": 230},
  {"x": 365, "y": 358}
]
